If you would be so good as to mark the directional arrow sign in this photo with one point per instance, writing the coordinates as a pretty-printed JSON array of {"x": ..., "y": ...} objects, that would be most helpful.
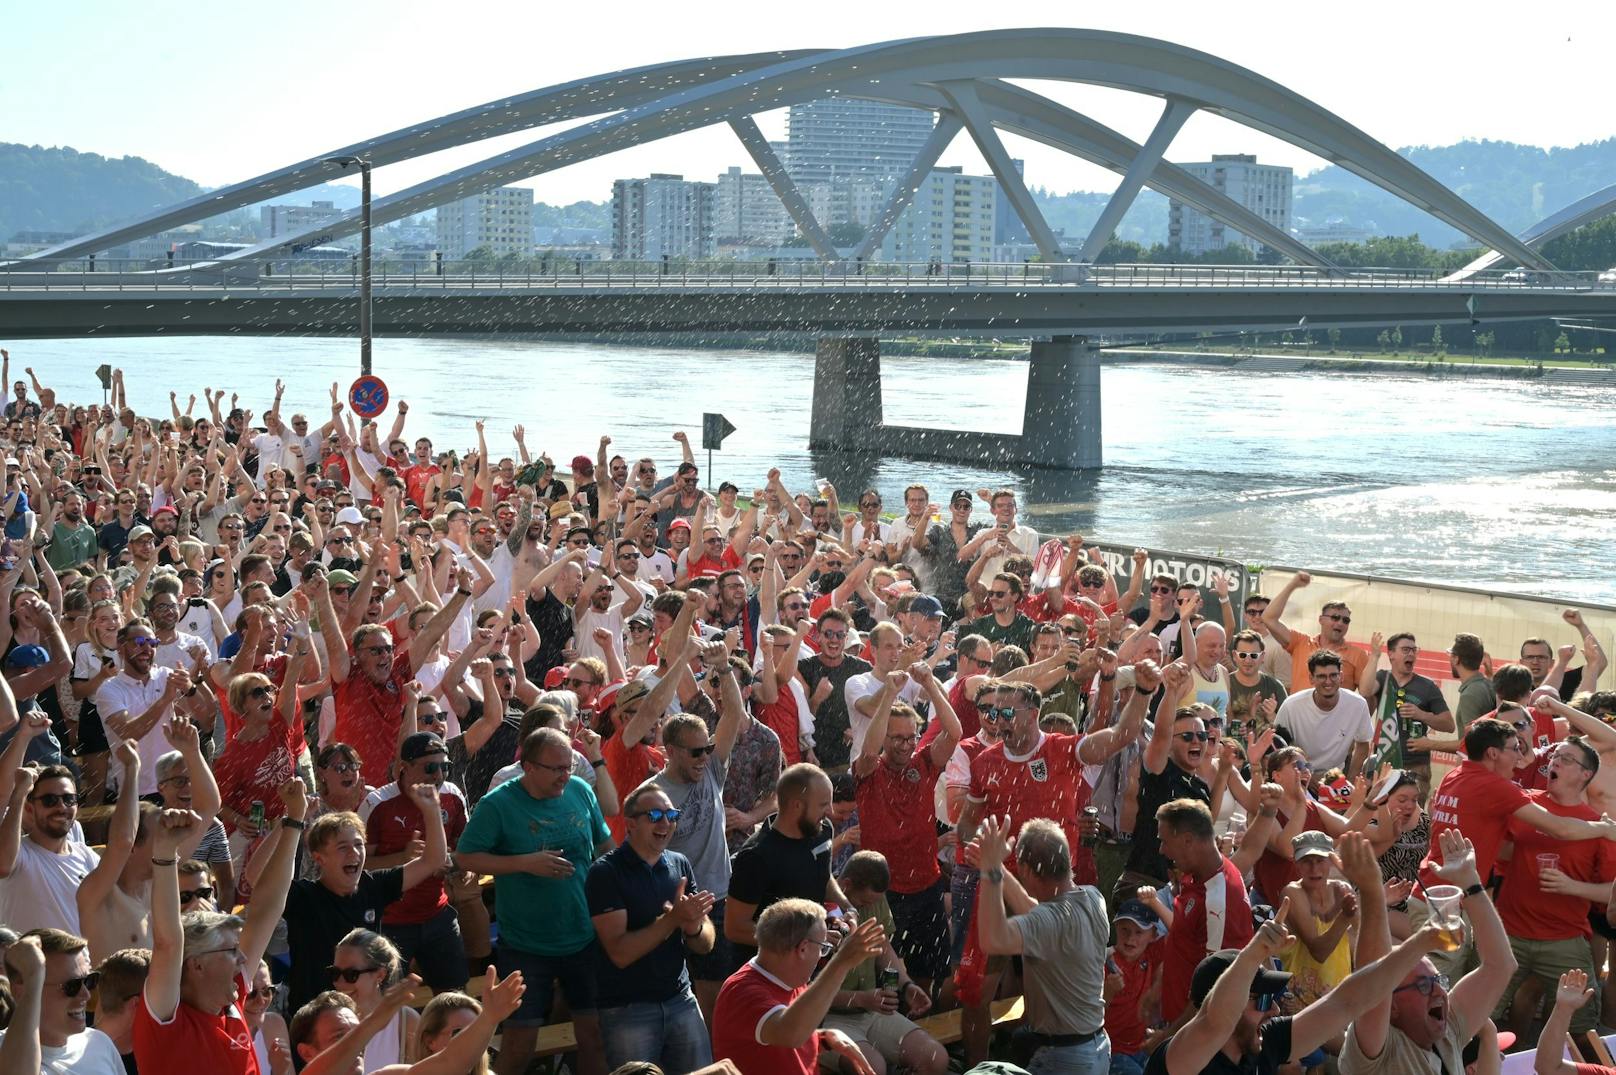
[{"x": 714, "y": 428}]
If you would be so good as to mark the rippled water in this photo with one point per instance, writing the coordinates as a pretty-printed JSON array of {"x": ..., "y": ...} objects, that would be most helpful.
[{"x": 1495, "y": 483}]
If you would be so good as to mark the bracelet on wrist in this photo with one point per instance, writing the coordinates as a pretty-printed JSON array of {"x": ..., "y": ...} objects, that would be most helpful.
[
  {"x": 164, "y": 862},
  {"x": 463, "y": 593},
  {"x": 1474, "y": 889},
  {"x": 598, "y": 763},
  {"x": 292, "y": 823}
]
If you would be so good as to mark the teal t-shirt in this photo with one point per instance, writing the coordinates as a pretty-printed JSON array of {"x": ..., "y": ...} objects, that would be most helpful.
[{"x": 548, "y": 916}]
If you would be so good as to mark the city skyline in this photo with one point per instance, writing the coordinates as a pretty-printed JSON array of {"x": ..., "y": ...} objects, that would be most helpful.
[{"x": 161, "y": 119}]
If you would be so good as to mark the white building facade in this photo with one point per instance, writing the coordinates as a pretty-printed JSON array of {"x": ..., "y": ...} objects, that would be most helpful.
[
  {"x": 1264, "y": 189},
  {"x": 500, "y": 220},
  {"x": 663, "y": 216}
]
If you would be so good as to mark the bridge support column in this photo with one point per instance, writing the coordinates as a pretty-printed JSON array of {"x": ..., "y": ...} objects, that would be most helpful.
[
  {"x": 846, "y": 412},
  {"x": 1061, "y": 424}
]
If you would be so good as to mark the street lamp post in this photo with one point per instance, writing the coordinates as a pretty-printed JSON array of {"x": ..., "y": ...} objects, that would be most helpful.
[{"x": 364, "y": 256}]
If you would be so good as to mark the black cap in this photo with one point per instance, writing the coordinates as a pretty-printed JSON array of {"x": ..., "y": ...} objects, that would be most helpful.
[
  {"x": 421, "y": 744},
  {"x": 1268, "y": 982},
  {"x": 958, "y": 495}
]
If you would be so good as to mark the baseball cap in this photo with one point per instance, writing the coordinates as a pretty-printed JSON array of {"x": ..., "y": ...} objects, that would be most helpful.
[
  {"x": 642, "y": 618},
  {"x": 555, "y": 678},
  {"x": 141, "y": 531},
  {"x": 420, "y": 744},
  {"x": 12, "y": 461},
  {"x": 1312, "y": 842},
  {"x": 1268, "y": 982},
  {"x": 166, "y": 509},
  {"x": 350, "y": 515},
  {"x": 341, "y": 577},
  {"x": 1140, "y": 915},
  {"x": 582, "y": 464},
  {"x": 959, "y": 494},
  {"x": 677, "y": 523},
  {"x": 27, "y": 657},
  {"x": 928, "y": 606}
]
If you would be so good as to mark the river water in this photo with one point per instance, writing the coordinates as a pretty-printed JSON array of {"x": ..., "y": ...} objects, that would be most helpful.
[{"x": 1500, "y": 484}]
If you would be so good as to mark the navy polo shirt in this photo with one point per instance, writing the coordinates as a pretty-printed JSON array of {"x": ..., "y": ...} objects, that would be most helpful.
[{"x": 623, "y": 881}]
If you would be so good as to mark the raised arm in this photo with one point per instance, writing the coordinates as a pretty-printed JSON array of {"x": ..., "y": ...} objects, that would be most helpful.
[
  {"x": 1271, "y": 615},
  {"x": 95, "y": 888},
  {"x": 1097, "y": 746},
  {"x": 1191, "y": 1049}
]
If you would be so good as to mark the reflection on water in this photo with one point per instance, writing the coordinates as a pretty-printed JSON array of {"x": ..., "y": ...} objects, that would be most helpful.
[{"x": 1495, "y": 483}]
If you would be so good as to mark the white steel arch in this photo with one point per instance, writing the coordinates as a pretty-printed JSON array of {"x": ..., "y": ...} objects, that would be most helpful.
[{"x": 659, "y": 101}]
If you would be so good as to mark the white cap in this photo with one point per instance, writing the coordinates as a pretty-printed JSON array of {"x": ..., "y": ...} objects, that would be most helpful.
[{"x": 350, "y": 515}]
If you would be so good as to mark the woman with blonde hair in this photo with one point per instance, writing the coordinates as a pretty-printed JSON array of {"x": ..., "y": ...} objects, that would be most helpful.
[
  {"x": 95, "y": 661},
  {"x": 442, "y": 1020},
  {"x": 365, "y": 965}
]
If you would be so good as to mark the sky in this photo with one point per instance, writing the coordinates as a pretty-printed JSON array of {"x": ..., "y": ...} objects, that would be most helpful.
[{"x": 223, "y": 92}]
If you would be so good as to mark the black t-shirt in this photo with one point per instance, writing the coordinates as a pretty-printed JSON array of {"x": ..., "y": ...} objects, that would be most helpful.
[
  {"x": 1155, "y": 790},
  {"x": 831, "y": 722},
  {"x": 317, "y": 919},
  {"x": 1418, "y": 691},
  {"x": 474, "y": 772},
  {"x": 621, "y": 880},
  {"x": 771, "y": 867},
  {"x": 1275, "y": 1051},
  {"x": 553, "y": 620}
]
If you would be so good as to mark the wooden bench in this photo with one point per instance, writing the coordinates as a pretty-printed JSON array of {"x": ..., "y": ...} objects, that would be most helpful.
[{"x": 945, "y": 1026}]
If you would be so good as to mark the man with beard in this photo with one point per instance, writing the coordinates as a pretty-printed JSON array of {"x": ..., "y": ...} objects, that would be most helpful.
[
  {"x": 422, "y": 924},
  {"x": 490, "y": 725},
  {"x": 72, "y": 541},
  {"x": 143, "y": 695},
  {"x": 1334, "y": 618},
  {"x": 606, "y": 600},
  {"x": 550, "y": 598},
  {"x": 1168, "y": 771},
  {"x": 1331, "y": 723},
  {"x": 825, "y": 675},
  {"x": 1422, "y": 1018},
  {"x": 694, "y": 776},
  {"x": 175, "y": 648},
  {"x": 498, "y": 541},
  {"x": 789, "y": 858},
  {"x": 650, "y": 911},
  {"x": 40, "y": 871}
]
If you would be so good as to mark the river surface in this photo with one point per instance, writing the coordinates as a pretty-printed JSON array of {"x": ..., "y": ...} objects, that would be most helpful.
[{"x": 1501, "y": 484}]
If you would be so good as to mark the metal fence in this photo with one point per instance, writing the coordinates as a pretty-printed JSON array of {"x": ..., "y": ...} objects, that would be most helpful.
[{"x": 577, "y": 274}]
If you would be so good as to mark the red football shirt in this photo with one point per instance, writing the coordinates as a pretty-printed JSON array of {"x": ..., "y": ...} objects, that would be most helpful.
[
  {"x": 195, "y": 1040},
  {"x": 368, "y": 716},
  {"x": 1124, "y": 1024},
  {"x": 416, "y": 479},
  {"x": 388, "y": 831},
  {"x": 1047, "y": 782},
  {"x": 1478, "y": 802},
  {"x": 743, "y": 1003},
  {"x": 629, "y": 767},
  {"x": 895, "y": 818},
  {"x": 1207, "y": 916},
  {"x": 1526, "y": 910},
  {"x": 274, "y": 668},
  {"x": 780, "y": 717},
  {"x": 255, "y": 769},
  {"x": 707, "y": 568}
]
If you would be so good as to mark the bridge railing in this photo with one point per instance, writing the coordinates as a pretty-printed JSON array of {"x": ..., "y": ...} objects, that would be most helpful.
[{"x": 545, "y": 273}]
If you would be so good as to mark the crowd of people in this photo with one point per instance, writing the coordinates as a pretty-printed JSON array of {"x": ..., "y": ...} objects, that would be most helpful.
[{"x": 326, "y": 750}]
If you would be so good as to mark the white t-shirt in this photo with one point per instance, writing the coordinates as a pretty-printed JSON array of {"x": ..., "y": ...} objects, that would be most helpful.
[
  {"x": 611, "y": 619},
  {"x": 88, "y": 1053},
  {"x": 877, "y": 531},
  {"x": 865, "y": 685},
  {"x": 43, "y": 886},
  {"x": 183, "y": 651},
  {"x": 1327, "y": 737},
  {"x": 130, "y": 697},
  {"x": 656, "y": 566},
  {"x": 198, "y": 620},
  {"x": 921, "y": 566},
  {"x": 271, "y": 453},
  {"x": 1024, "y": 538}
]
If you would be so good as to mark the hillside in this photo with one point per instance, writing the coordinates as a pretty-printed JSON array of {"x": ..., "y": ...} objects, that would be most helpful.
[{"x": 61, "y": 189}]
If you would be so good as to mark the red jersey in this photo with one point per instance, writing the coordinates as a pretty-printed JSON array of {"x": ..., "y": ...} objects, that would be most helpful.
[
  {"x": 416, "y": 479},
  {"x": 705, "y": 567},
  {"x": 387, "y": 831},
  {"x": 780, "y": 717},
  {"x": 629, "y": 767},
  {"x": 1478, "y": 802},
  {"x": 750, "y": 995},
  {"x": 1207, "y": 915},
  {"x": 895, "y": 818},
  {"x": 1037, "y": 607},
  {"x": 1047, "y": 782},
  {"x": 970, "y": 719},
  {"x": 368, "y": 716},
  {"x": 255, "y": 769},
  {"x": 1533, "y": 773},
  {"x": 195, "y": 1040},
  {"x": 1526, "y": 910},
  {"x": 1125, "y": 1024},
  {"x": 274, "y": 668},
  {"x": 1273, "y": 871}
]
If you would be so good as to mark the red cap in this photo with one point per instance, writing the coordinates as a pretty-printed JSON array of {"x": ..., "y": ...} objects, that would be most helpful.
[
  {"x": 582, "y": 464},
  {"x": 555, "y": 677},
  {"x": 677, "y": 523}
]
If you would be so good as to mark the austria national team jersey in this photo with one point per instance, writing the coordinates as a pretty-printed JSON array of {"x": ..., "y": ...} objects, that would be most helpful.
[
  {"x": 1206, "y": 917},
  {"x": 1046, "y": 782}
]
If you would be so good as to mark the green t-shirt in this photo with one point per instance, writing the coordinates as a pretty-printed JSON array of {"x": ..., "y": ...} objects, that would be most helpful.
[
  {"x": 71, "y": 546},
  {"x": 1018, "y": 633},
  {"x": 863, "y": 975},
  {"x": 548, "y": 916}
]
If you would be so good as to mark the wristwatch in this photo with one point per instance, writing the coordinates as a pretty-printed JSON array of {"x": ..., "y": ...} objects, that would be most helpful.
[{"x": 994, "y": 876}]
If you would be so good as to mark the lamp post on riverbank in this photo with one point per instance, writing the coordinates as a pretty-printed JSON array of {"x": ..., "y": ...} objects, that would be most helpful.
[{"x": 364, "y": 256}]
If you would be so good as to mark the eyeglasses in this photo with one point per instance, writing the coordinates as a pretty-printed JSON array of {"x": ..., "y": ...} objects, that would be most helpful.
[
  {"x": 349, "y": 974},
  {"x": 1337, "y": 617},
  {"x": 826, "y": 947},
  {"x": 71, "y": 987},
  {"x": 1192, "y": 737},
  {"x": 552, "y": 768},
  {"x": 1426, "y": 984},
  {"x": 657, "y": 815},
  {"x": 699, "y": 752},
  {"x": 50, "y": 800},
  {"x": 189, "y": 894},
  {"x": 433, "y": 768},
  {"x": 234, "y": 950}
]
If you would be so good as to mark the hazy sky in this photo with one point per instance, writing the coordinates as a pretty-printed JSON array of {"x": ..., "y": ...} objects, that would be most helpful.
[{"x": 220, "y": 92}]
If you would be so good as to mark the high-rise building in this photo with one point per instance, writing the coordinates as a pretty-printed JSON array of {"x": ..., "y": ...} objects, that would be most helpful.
[
  {"x": 1265, "y": 189},
  {"x": 950, "y": 220},
  {"x": 841, "y": 137},
  {"x": 746, "y": 209},
  {"x": 500, "y": 220},
  {"x": 662, "y": 216},
  {"x": 282, "y": 220}
]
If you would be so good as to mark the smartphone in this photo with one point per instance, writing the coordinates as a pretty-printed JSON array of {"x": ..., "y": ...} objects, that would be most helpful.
[{"x": 1004, "y": 526}]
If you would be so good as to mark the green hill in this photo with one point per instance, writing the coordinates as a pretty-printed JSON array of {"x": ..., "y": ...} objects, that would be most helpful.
[{"x": 61, "y": 189}]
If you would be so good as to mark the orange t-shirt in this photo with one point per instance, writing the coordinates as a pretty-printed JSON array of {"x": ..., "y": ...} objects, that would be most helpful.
[{"x": 1353, "y": 660}]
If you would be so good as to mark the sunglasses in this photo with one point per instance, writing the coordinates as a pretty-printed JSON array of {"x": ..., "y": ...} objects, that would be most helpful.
[
  {"x": 349, "y": 974},
  {"x": 1161, "y": 589},
  {"x": 833, "y": 636},
  {"x": 433, "y": 768},
  {"x": 657, "y": 815},
  {"x": 998, "y": 593},
  {"x": 71, "y": 987},
  {"x": 50, "y": 800},
  {"x": 149, "y": 643},
  {"x": 1263, "y": 1002},
  {"x": 261, "y": 692},
  {"x": 263, "y": 992},
  {"x": 427, "y": 718},
  {"x": 345, "y": 766},
  {"x": 994, "y": 713},
  {"x": 575, "y": 682},
  {"x": 1192, "y": 737},
  {"x": 699, "y": 752},
  {"x": 1337, "y": 617},
  {"x": 1247, "y": 656},
  {"x": 203, "y": 893}
]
